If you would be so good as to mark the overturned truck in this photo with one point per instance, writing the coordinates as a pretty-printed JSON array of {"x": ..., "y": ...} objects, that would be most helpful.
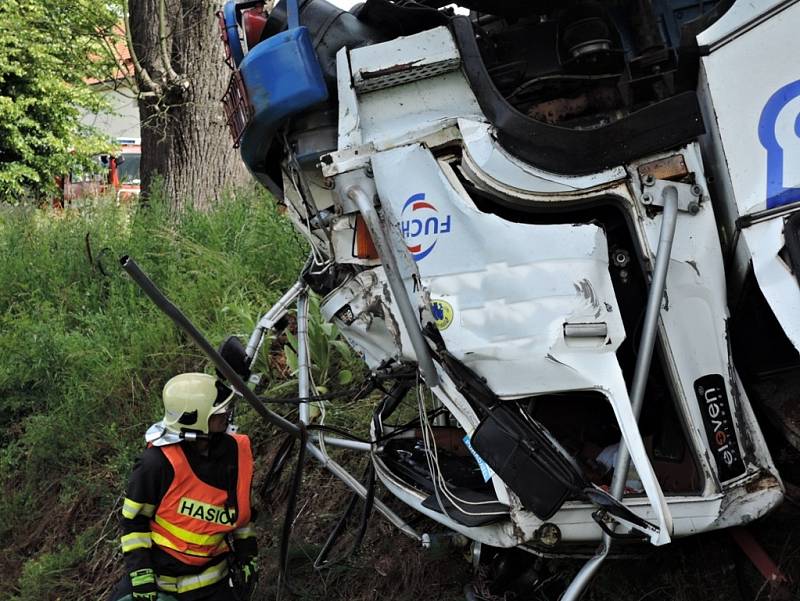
[{"x": 567, "y": 232}]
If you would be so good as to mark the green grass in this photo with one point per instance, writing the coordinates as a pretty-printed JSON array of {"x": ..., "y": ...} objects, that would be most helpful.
[{"x": 83, "y": 356}]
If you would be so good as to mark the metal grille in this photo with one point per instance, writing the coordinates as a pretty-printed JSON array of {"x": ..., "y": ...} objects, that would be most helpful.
[
  {"x": 238, "y": 110},
  {"x": 223, "y": 35},
  {"x": 366, "y": 81}
]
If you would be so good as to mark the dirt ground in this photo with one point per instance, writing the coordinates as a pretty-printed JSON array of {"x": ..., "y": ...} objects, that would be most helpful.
[{"x": 391, "y": 566}]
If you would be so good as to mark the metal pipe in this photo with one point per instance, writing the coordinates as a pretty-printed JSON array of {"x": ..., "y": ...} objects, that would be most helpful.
[
  {"x": 175, "y": 314},
  {"x": 303, "y": 375},
  {"x": 270, "y": 318},
  {"x": 356, "y": 486},
  {"x": 303, "y": 389},
  {"x": 344, "y": 443},
  {"x": 371, "y": 218},
  {"x": 669, "y": 219},
  {"x": 649, "y": 329}
]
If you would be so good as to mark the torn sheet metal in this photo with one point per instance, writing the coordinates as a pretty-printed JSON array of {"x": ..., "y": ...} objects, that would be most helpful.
[{"x": 513, "y": 299}]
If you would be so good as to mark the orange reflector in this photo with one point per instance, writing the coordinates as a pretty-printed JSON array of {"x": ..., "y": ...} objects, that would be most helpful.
[{"x": 364, "y": 246}]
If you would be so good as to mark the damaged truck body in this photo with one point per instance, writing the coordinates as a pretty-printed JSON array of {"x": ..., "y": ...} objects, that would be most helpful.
[{"x": 565, "y": 233}]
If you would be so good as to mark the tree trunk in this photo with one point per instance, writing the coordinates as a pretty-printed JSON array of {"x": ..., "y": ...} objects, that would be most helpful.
[{"x": 185, "y": 141}]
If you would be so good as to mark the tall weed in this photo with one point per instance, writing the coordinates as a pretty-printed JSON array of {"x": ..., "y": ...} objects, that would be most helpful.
[{"x": 83, "y": 354}]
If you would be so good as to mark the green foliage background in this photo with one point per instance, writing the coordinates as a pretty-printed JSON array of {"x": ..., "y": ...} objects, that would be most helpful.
[
  {"x": 83, "y": 356},
  {"x": 47, "y": 50}
]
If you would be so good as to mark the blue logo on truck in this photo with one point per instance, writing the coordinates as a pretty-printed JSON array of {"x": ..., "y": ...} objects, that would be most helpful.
[
  {"x": 422, "y": 224},
  {"x": 779, "y": 133}
]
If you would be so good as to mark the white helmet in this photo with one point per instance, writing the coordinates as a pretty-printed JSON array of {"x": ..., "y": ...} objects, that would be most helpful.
[{"x": 189, "y": 401}]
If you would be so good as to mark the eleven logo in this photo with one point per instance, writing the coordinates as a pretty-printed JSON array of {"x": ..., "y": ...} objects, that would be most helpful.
[
  {"x": 779, "y": 134},
  {"x": 422, "y": 224}
]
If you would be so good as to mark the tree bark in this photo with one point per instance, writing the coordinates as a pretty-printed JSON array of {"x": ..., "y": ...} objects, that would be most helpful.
[{"x": 185, "y": 141}]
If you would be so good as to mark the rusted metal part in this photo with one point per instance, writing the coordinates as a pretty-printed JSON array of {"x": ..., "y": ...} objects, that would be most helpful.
[
  {"x": 671, "y": 168},
  {"x": 238, "y": 109},
  {"x": 767, "y": 482},
  {"x": 777, "y": 580},
  {"x": 394, "y": 69},
  {"x": 744, "y": 502},
  {"x": 554, "y": 111}
]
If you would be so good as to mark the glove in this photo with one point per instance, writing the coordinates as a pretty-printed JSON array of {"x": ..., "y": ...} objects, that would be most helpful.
[
  {"x": 246, "y": 578},
  {"x": 143, "y": 583}
]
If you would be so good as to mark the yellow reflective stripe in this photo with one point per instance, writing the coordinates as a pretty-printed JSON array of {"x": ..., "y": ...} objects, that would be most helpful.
[
  {"x": 244, "y": 532},
  {"x": 130, "y": 509},
  {"x": 136, "y": 540},
  {"x": 206, "y": 540},
  {"x": 184, "y": 584},
  {"x": 163, "y": 541}
]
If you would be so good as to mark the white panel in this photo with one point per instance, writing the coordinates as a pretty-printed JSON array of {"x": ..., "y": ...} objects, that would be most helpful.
[
  {"x": 743, "y": 76},
  {"x": 738, "y": 18},
  {"x": 495, "y": 163},
  {"x": 775, "y": 278},
  {"x": 511, "y": 288},
  {"x": 406, "y": 113}
]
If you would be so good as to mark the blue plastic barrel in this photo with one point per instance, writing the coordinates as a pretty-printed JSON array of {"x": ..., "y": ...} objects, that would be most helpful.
[{"x": 283, "y": 76}]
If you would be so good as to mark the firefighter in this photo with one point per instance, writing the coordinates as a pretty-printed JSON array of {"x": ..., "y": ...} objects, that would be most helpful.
[{"x": 186, "y": 529}]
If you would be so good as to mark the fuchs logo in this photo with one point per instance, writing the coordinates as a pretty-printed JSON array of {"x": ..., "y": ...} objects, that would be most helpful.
[
  {"x": 718, "y": 423},
  {"x": 421, "y": 224},
  {"x": 779, "y": 133}
]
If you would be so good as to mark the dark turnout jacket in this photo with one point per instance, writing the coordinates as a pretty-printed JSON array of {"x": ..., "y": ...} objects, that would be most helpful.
[{"x": 149, "y": 482}]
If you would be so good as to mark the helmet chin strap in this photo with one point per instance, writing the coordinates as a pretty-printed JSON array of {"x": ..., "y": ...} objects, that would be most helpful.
[{"x": 195, "y": 436}]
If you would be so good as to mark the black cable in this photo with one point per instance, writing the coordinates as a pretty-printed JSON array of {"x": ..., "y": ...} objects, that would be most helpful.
[
  {"x": 340, "y": 431},
  {"x": 360, "y": 392},
  {"x": 369, "y": 485},
  {"x": 322, "y": 559},
  {"x": 394, "y": 433},
  {"x": 408, "y": 425},
  {"x": 393, "y": 398},
  {"x": 369, "y": 500},
  {"x": 275, "y": 468},
  {"x": 283, "y": 576}
]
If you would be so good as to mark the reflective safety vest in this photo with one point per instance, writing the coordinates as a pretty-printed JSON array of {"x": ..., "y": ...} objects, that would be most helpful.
[{"x": 191, "y": 521}]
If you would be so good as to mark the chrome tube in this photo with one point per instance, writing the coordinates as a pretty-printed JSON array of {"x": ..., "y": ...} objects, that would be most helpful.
[
  {"x": 649, "y": 329},
  {"x": 343, "y": 443},
  {"x": 371, "y": 218},
  {"x": 303, "y": 375},
  {"x": 356, "y": 486},
  {"x": 669, "y": 219},
  {"x": 270, "y": 318}
]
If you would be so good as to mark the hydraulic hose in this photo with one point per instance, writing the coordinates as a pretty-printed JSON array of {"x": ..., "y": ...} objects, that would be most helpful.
[
  {"x": 291, "y": 506},
  {"x": 175, "y": 314}
]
